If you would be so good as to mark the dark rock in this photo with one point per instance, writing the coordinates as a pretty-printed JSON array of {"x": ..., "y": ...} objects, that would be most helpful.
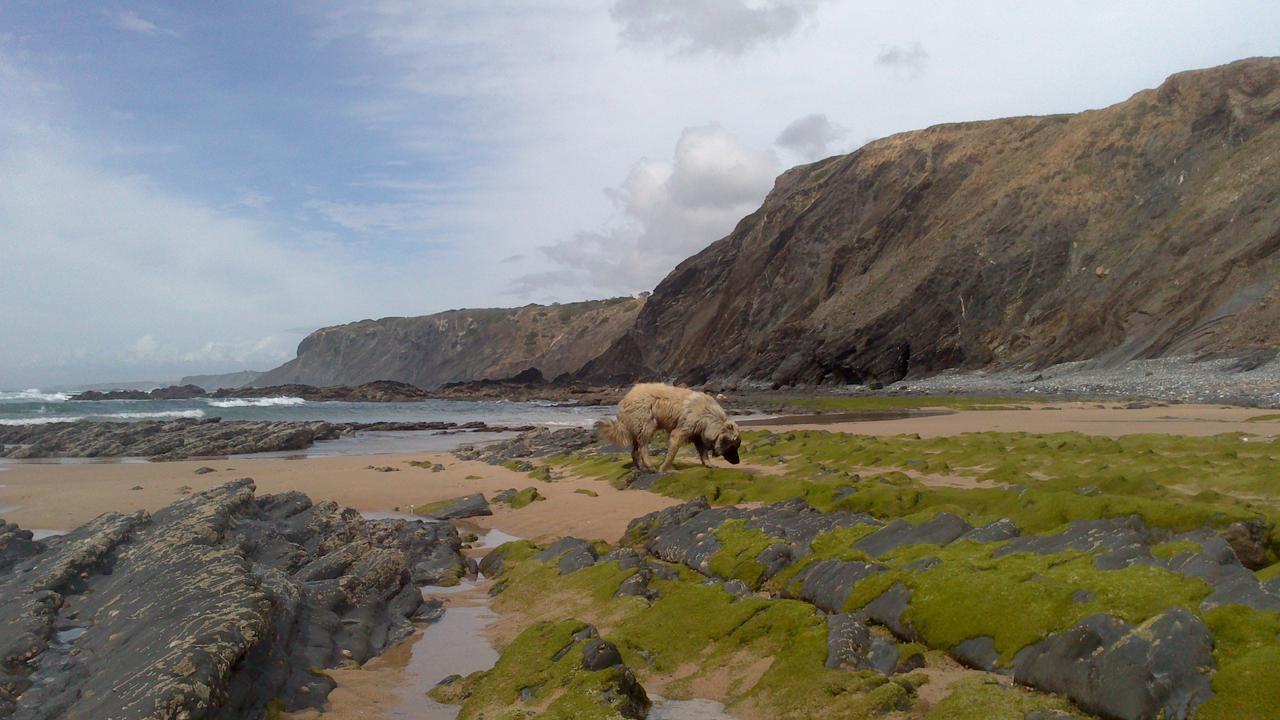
[
  {"x": 203, "y": 609},
  {"x": 1110, "y": 668},
  {"x": 828, "y": 583},
  {"x": 737, "y": 588},
  {"x": 540, "y": 442},
  {"x": 942, "y": 529},
  {"x": 852, "y": 646},
  {"x": 569, "y": 554},
  {"x": 473, "y": 505},
  {"x": 598, "y": 654},
  {"x": 889, "y": 608},
  {"x": 1084, "y": 536},
  {"x": 204, "y": 470},
  {"x": 1249, "y": 540},
  {"x": 997, "y": 531},
  {"x": 979, "y": 652}
]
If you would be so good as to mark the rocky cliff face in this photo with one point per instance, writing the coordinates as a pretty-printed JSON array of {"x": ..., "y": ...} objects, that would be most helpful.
[
  {"x": 1145, "y": 229},
  {"x": 458, "y": 345}
]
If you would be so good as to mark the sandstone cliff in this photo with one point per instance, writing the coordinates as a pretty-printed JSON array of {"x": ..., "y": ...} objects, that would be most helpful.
[
  {"x": 458, "y": 345},
  {"x": 1145, "y": 229}
]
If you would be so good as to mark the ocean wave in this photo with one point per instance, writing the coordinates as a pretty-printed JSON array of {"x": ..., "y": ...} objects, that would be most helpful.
[
  {"x": 33, "y": 395},
  {"x": 105, "y": 416},
  {"x": 153, "y": 415},
  {"x": 257, "y": 402}
]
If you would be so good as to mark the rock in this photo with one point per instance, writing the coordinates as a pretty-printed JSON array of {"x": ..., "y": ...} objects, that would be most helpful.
[
  {"x": 136, "y": 487},
  {"x": 540, "y": 442},
  {"x": 942, "y": 529},
  {"x": 1110, "y": 668},
  {"x": 979, "y": 652},
  {"x": 1249, "y": 541},
  {"x": 569, "y": 554},
  {"x": 889, "y": 608},
  {"x": 783, "y": 282},
  {"x": 598, "y": 654},
  {"x": 473, "y": 505},
  {"x": 828, "y": 583},
  {"x": 852, "y": 646},
  {"x": 204, "y": 470},
  {"x": 997, "y": 531},
  {"x": 160, "y": 439},
  {"x": 208, "y": 608},
  {"x": 1084, "y": 536},
  {"x": 459, "y": 346}
]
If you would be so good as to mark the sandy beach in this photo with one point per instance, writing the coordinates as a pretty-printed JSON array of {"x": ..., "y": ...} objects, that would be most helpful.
[{"x": 59, "y": 496}]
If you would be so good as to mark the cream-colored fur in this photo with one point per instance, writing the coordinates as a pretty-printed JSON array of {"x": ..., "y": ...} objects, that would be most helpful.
[{"x": 686, "y": 415}]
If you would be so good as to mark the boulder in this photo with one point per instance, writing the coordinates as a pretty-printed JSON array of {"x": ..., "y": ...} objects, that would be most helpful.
[{"x": 1159, "y": 669}]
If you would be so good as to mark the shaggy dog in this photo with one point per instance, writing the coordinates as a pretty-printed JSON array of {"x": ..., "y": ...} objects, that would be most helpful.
[{"x": 686, "y": 415}]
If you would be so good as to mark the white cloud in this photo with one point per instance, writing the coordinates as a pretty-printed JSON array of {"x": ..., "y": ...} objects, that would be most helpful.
[
  {"x": 730, "y": 27},
  {"x": 132, "y": 22},
  {"x": 670, "y": 210},
  {"x": 809, "y": 137}
]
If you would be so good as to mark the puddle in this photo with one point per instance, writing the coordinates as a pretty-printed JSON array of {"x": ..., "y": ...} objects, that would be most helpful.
[
  {"x": 490, "y": 539},
  {"x": 63, "y": 639},
  {"x": 44, "y": 534},
  {"x": 686, "y": 710},
  {"x": 8, "y": 509},
  {"x": 455, "y": 645}
]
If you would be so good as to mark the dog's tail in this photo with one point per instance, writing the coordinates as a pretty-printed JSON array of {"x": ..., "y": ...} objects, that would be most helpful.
[{"x": 612, "y": 432}]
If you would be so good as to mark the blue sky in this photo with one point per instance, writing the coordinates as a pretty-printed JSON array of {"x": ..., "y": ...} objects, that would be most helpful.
[{"x": 190, "y": 187}]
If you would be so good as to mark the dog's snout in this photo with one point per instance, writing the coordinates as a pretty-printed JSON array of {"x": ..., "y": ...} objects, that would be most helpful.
[{"x": 731, "y": 455}]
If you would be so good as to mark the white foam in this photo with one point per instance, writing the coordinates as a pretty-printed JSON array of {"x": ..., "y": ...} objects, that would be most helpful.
[
  {"x": 257, "y": 402},
  {"x": 105, "y": 416},
  {"x": 33, "y": 395},
  {"x": 149, "y": 415}
]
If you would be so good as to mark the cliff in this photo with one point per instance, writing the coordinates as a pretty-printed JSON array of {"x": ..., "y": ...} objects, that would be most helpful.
[
  {"x": 1145, "y": 229},
  {"x": 458, "y": 345}
]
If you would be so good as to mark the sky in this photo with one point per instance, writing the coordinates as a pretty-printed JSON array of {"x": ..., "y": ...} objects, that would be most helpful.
[{"x": 192, "y": 187}]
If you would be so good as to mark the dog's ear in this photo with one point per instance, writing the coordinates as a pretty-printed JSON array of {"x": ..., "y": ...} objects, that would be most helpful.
[{"x": 728, "y": 442}]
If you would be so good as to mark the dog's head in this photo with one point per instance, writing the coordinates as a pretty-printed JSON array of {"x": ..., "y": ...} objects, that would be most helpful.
[{"x": 727, "y": 442}]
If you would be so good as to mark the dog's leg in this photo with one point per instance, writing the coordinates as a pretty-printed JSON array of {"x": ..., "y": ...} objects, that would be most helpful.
[
  {"x": 638, "y": 460},
  {"x": 675, "y": 439},
  {"x": 702, "y": 450}
]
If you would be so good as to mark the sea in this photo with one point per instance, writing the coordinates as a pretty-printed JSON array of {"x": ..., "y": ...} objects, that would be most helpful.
[{"x": 35, "y": 406}]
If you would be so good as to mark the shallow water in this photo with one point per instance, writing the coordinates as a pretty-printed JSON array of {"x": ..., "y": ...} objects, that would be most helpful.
[
  {"x": 33, "y": 407},
  {"x": 454, "y": 645},
  {"x": 686, "y": 710}
]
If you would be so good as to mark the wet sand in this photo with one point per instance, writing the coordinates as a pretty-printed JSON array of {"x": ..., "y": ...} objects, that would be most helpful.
[
  {"x": 1111, "y": 420},
  {"x": 64, "y": 496}
]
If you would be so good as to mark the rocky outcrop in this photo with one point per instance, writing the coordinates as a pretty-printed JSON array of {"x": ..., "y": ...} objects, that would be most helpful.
[
  {"x": 210, "y": 608},
  {"x": 1145, "y": 229},
  {"x": 211, "y": 437},
  {"x": 376, "y": 391},
  {"x": 161, "y": 439},
  {"x": 473, "y": 505},
  {"x": 1157, "y": 665},
  {"x": 459, "y": 345},
  {"x": 540, "y": 442}
]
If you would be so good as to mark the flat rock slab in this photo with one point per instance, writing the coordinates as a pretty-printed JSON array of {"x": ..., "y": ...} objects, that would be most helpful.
[
  {"x": 473, "y": 505},
  {"x": 209, "y": 608}
]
